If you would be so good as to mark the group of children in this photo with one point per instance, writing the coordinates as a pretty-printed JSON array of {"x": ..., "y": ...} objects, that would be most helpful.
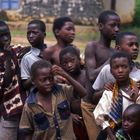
[{"x": 48, "y": 95}]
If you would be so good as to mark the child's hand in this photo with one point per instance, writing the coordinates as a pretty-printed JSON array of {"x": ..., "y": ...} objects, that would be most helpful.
[
  {"x": 109, "y": 86},
  {"x": 76, "y": 118},
  {"x": 60, "y": 79},
  {"x": 58, "y": 71}
]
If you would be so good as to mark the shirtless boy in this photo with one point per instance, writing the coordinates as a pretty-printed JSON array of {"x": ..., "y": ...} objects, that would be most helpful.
[
  {"x": 64, "y": 31},
  {"x": 97, "y": 53}
]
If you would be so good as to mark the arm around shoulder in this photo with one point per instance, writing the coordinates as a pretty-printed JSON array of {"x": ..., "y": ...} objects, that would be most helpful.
[{"x": 47, "y": 53}]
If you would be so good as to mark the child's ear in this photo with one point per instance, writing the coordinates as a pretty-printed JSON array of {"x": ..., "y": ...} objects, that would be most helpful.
[
  {"x": 100, "y": 25},
  {"x": 32, "y": 81},
  {"x": 56, "y": 32}
]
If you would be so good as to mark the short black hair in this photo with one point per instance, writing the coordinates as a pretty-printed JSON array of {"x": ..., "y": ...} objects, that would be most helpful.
[
  {"x": 59, "y": 23},
  {"x": 135, "y": 107},
  {"x": 40, "y": 23},
  {"x": 39, "y": 65},
  {"x": 119, "y": 55},
  {"x": 103, "y": 17},
  {"x": 69, "y": 49},
  {"x": 120, "y": 36}
]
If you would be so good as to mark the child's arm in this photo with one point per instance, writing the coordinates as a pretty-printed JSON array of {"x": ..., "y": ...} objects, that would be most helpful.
[
  {"x": 102, "y": 110},
  {"x": 77, "y": 86}
]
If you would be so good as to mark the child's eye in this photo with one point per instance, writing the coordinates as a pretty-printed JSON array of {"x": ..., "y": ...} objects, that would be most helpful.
[{"x": 125, "y": 66}]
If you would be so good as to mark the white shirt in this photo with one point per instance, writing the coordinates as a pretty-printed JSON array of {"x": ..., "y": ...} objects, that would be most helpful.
[
  {"x": 106, "y": 76},
  {"x": 27, "y": 61},
  {"x": 104, "y": 107}
]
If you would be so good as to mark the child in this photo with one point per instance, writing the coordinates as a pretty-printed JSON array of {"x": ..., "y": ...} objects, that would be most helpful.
[
  {"x": 64, "y": 31},
  {"x": 36, "y": 32},
  {"x": 70, "y": 62},
  {"x": 125, "y": 42},
  {"x": 46, "y": 115},
  {"x": 130, "y": 124},
  {"x": 11, "y": 93},
  {"x": 108, "y": 112},
  {"x": 97, "y": 54}
]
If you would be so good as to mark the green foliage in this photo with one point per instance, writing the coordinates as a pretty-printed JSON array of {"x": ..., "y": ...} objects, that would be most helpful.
[{"x": 137, "y": 13}]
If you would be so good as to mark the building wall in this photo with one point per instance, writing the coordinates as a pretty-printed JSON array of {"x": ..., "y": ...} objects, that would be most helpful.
[
  {"x": 84, "y": 11},
  {"x": 125, "y": 9}
]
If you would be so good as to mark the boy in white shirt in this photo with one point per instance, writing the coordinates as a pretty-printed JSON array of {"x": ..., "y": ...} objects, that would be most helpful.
[{"x": 108, "y": 112}]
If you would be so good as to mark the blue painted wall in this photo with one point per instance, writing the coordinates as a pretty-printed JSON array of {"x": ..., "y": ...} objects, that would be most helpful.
[{"x": 9, "y": 4}]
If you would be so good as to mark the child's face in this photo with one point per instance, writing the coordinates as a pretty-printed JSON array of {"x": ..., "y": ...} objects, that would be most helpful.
[
  {"x": 44, "y": 80},
  {"x": 70, "y": 63},
  {"x": 111, "y": 27},
  {"x": 67, "y": 32},
  {"x": 131, "y": 122},
  {"x": 34, "y": 35},
  {"x": 5, "y": 36},
  {"x": 130, "y": 45},
  {"x": 120, "y": 69}
]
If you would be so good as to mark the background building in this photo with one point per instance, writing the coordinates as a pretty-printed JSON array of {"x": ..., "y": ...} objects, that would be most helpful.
[{"x": 82, "y": 11}]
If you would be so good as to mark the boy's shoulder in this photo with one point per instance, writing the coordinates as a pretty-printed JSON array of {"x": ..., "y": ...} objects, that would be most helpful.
[
  {"x": 92, "y": 44},
  {"x": 91, "y": 47},
  {"x": 27, "y": 55}
]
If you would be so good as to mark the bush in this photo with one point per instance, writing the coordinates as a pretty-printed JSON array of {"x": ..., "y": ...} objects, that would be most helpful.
[{"x": 137, "y": 13}]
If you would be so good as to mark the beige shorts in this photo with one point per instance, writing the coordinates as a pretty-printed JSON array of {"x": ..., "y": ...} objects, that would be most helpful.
[{"x": 87, "y": 113}]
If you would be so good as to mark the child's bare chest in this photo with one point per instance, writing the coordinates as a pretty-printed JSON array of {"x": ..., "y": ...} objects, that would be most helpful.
[{"x": 102, "y": 55}]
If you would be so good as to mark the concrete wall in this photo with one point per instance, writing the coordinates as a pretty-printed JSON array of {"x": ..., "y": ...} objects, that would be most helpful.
[
  {"x": 84, "y": 11},
  {"x": 126, "y": 10}
]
